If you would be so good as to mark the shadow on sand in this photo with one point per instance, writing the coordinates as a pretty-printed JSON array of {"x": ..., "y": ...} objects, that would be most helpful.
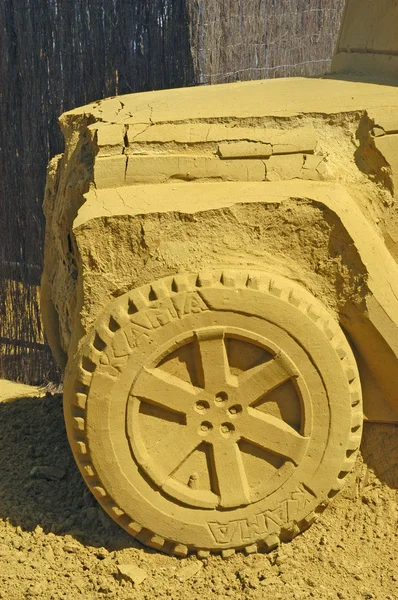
[{"x": 32, "y": 434}]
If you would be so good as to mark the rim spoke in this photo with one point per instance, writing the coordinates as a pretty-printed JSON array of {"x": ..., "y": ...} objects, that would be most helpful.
[
  {"x": 172, "y": 450},
  {"x": 230, "y": 475},
  {"x": 165, "y": 390},
  {"x": 213, "y": 360},
  {"x": 261, "y": 380},
  {"x": 273, "y": 434}
]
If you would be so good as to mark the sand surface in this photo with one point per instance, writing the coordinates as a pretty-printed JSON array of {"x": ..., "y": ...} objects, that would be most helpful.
[{"x": 56, "y": 542}]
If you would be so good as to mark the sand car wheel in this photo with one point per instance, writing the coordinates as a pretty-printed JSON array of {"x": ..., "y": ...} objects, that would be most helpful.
[{"x": 214, "y": 411}]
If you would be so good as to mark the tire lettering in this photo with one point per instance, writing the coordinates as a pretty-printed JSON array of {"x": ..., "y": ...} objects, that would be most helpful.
[{"x": 262, "y": 524}]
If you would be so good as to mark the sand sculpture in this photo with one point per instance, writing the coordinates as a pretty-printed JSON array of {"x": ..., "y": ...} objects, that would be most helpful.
[{"x": 221, "y": 287}]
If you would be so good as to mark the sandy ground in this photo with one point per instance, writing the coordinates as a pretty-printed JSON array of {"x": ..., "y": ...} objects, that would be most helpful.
[{"x": 55, "y": 541}]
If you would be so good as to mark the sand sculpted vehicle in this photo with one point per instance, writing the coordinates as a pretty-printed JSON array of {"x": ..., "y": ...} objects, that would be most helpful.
[{"x": 221, "y": 287}]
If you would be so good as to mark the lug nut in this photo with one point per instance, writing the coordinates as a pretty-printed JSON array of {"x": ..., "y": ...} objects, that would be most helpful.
[
  {"x": 226, "y": 429},
  {"x": 201, "y": 406},
  {"x": 235, "y": 410},
  {"x": 221, "y": 397},
  {"x": 205, "y": 428}
]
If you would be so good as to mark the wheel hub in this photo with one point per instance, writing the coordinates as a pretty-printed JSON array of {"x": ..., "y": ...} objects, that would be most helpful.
[{"x": 218, "y": 414}]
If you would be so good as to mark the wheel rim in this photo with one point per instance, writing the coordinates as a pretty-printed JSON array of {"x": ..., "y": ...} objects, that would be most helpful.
[{"x": 215, "y": 413}]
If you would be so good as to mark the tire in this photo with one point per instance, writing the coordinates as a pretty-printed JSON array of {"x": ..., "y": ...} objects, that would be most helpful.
[{"x": 214, "y": 412}]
